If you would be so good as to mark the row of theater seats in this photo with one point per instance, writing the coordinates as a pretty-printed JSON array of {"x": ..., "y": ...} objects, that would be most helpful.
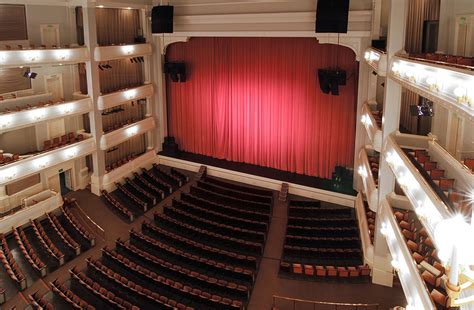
[
  {"x": 374, "y": 166},
  {"x": 377, "y": 114},
  {"x": 29, "y": 252},
  {"x": 120, "y": 125},
  {"x": 69, "y": 297},
  {"x": 443, "y": 186},
  {"x": 66, "y": 139},
  {"x": 38, "y": 302},
  {"x": 370, "y": 215},
  {"x": 122, "y": 87},
  {"x": 144, "y": 191},
  {"x": 6, "y": 159},
  {"x": 425, "y": 255},
  {"x": 76, "y": 227},
  {"x": 320, "y": 236},
  {"x": 13, "y": 270},
  {"x": 46, "y": 243},
  {"x": 120, "y": 162},
  {"x": 40, "y": 104},
  {"x": 355, "y": 272},
  {"x": 469, "y": 163},
  {"x": 449, "y": 59}
]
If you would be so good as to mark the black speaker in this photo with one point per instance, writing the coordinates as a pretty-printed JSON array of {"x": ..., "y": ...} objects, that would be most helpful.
[
  {"x": 176, "y": 70},
  {"x": 329, "y": 80},
  {"x": 332, "y": 16},
  {"x": 170, "y": 147},
  {"x": 162, "y": 19}
]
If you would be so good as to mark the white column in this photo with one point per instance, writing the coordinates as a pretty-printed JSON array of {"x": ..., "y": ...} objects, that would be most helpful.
[
  {"x": 93, "y": 89},
  {"x": 376, "y": 16},
  {"x": 382, "y": 269},
  {"x": 446, "y": 26}
]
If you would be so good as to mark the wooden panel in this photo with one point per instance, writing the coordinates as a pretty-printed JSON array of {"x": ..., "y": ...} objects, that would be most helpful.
[
  {"x": 20, "y": 185},
  {"x": 13, "y": 80},
  {"x": 13, "y": 22}
]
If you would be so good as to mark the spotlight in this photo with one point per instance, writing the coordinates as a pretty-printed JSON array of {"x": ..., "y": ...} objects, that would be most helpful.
[
  {"x": 132, "y": 60},
  {"x": 31, "y": 75},
  {"x": 176, "y": 70},
  {"x": 101, "y": 67},
  {"x": 329, "y": 80}
]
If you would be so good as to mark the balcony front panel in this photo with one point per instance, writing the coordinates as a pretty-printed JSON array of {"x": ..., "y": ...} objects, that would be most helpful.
[
  {"x": 117, "y": 98},
  {"x": 34, "y": 164},
  {"x": 429, "y": 208},
  {"x": 15, "y": 120},
  {"x": 371, "y": 126},
  {"x": 15, "y": 58},
  {"x": 123, "y": 134},
  {"x": 413, "y": 285},
  {"x": 119, "y": 173},
  {"x": 447, "y": 85},
  {"x": 367, "y": 245},
  {"x": 377, "y": 60},
  {"x": 368, "y": 180},
  {"x": 105, "y": 53}
]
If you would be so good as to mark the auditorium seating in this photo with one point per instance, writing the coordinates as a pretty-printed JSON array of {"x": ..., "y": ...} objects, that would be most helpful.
[
  {"x": 322, "y": 241},
  {"x": 131, "y": 197},
  {"x": 74, "y": 224},
  {"x": 46, "y": 242},
  {"x": 120, "y": 125},
  {"x": 370, "y": 215},
  {"x": 39, "y": 302},
  {"x": 374, "y": 166},
  {"x": 68, "y": 296},
  {"x": 446, "y": 59},
  {"x": 117, "y": 206},
  {"x": 168, "y": 177},
  {"x": 141, "y": 192},
  {"x": 120, "y": 162},
  {"x": 39, "y": 104},
  {"x": 425, "y": 256},
  {"x": 377, "y": 114},
  {"x": 469, "y": 163},
  {"x": 63, "y": 234},
  {"x": 445, "y": 188},
  {"x": 151, "y": 177},
  {"x": 61, "y": 141},
  {"x": 13, "y": 270},
  {"x": 29, "y": 252}
]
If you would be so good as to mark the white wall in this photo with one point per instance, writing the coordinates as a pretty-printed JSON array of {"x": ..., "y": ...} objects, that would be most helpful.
[
  {"x": 69, "y": 75},
  {"x": 45, "y": 14},
  {"x": 449, "y": 10}
]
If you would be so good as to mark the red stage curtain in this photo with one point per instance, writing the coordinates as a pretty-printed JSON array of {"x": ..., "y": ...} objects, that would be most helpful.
[{"x": 258, "y": 101}]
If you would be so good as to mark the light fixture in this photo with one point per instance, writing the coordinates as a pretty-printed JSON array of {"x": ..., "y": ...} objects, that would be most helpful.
[
  {"x": 100, "y": 6},
  {"x": 396, "y": 68},
  {"x": 3, "y": 57},
  {"x": 384, "y": 229},
  {"x": 42, "y": 162},
  {"x": 37, "y": 114},
  {"x": 71, "y": 153},
  {"x": 128, "y": 49},
  {"x": 32, "y": 56},
  {"x": 10, "y": 174},
  {"x": 5, "y": 121},
  {"x": 131, "y": 131},
  {"x": 367, "y": 55},
  {"x": 66, "y": 108},
  {"x": 130, "y": 94},
  {"x": 362, "y": 171},
  {"x": 62, "y": 54},
  {"x": 395, "y": 263}
]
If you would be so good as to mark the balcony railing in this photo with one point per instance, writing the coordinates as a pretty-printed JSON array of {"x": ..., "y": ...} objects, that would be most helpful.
[
  {"x": 104, "y": 53},
  {"x": 413, "y": 285},
  {"x": 117, "y": 98},
  {"x": 122, "y": 134},
  {"x": 34, "y": 164},
  {"x": 377, "y": 60},
  {"x": 447, "y": 85},
  {"x": 429, "y": 207},
  {"x": 34, "y": 207},
  {"x": 24, "y": 118},
  {"x": 371, "y": 126},
  {"x": 368, "y": 180},
  {"x": 15, "y": 58}
]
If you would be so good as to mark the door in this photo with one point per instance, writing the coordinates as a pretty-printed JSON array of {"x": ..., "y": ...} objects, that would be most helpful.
[
  {"x": 50, "y": 35},
  {"x": 54, "y": 84},
  {"x": 65, "y": 182},
  {"x": 454, "y": 134}
]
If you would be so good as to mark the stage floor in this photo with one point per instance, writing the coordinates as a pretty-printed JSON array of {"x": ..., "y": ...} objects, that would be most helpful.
[{"x": 343, "y": 187}]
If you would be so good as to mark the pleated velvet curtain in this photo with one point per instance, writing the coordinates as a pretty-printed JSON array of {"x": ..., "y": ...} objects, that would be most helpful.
[{"x": 258, "y": 101}]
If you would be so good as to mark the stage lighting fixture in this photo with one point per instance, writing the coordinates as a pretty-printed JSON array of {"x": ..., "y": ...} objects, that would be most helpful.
[
  {"x": 132, "y": 60},
  {"x": 176, "y": 70},
  {"x": 100, "y": 68},
  {"x": 29, "y": 74},
  {"x": 330, "y": 79}
]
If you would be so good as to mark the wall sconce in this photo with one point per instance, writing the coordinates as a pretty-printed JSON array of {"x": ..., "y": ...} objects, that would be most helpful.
[
  {"x": 365, "y": 119},
  {"x": 42, "y": 162},
  {"x": 128, "y": 49},
  {"x": 384, "y": 229},
  {"x": 32, "y": 56},
  {"x": 132, "y": 131},
  {"x": 62, "y": 54},
  {"x": 10, "y": 174},
  {"x": 461, "y": 95},
  {"x": 396, "y": 68},
  {"x": 71, "y": 153},
  {"x": 433, "y": 84},
  {"x": 362, "y": 171},
  {"x": 5, "y": 121},
  {"x": 130, "y": 94},
  {"x": 37, "y": 114},
  {"x": 3, "y": 57},
  {"x": 67, "y": 108}
]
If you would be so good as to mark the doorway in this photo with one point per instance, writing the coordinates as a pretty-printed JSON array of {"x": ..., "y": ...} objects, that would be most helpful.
[
  {"x": 65, "y": 182},
  {"x": 54, "y": 85},
  {"x": 50, "y": 35}
]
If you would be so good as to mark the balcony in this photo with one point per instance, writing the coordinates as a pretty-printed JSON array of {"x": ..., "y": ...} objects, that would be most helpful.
[
  {"x": 15, "y": 58},
  {"x": 413, "y": 285},
  {"x": 371, "y": 126},
  {"x": 450, "y": 86},
  {"x": 117, "y": 98},
  {"x": 34, "y": 206},
  {"x": 120, "y": 135},
  {"x": 28, "y": 117},
  {"x": 430, "y": 208},
  {"x": 36, "y": 163},
  {"x": 370, "y": 185},
  {"x": 105, "y": 53},
  {"x": 377, "y": 60},
  {"x": 146, "y": 159},
  {"x": 367, "y": 245}
]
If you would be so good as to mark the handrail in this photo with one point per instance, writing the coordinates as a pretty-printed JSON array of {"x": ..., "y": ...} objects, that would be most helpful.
[
  {"x": 100, "y": 231},
  {"x": 328, "y": 303}
]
